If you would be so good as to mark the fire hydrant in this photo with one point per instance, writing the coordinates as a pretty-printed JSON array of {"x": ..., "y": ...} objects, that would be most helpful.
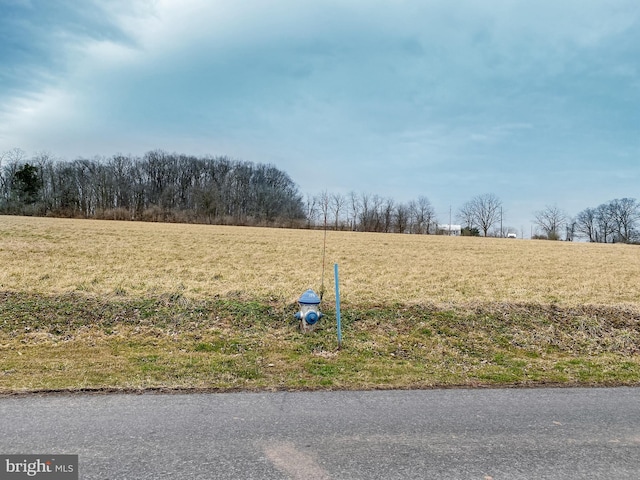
[{"x": 309, "y": 313}]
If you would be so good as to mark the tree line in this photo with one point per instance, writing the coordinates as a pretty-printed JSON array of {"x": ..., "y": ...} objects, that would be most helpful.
[
  {"x": 158, "y": 186},
  {"x": 161, "y": 186},
  {"x": 615, "y": 221},
  {"x": 365, "y": 212},
  {"x": 170, "y": 187}
]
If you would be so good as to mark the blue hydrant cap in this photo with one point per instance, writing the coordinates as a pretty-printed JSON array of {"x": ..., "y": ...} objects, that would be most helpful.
[
  {"x": 309, "y": 298},
  {"x": 311, "y": 318}
]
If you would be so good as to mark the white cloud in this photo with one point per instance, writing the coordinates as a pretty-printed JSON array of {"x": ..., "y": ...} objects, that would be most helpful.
[{"x": 376, "y": 93}]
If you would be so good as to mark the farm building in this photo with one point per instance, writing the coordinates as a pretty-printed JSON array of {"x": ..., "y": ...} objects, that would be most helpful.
[{"x": 447, "y": 229}]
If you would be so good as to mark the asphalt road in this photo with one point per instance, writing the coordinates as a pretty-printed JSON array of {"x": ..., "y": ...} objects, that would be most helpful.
[{"x": 439, "y": 434}]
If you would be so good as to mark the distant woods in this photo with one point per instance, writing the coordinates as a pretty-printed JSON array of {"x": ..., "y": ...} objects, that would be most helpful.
[
  {"x": 171, "y": 187},
  {"x": 159, "y": 186},
  {"x": 366, "y": 212}
]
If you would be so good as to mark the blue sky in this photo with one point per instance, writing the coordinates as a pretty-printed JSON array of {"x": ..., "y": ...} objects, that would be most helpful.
[{"x": 537, "y": 101}]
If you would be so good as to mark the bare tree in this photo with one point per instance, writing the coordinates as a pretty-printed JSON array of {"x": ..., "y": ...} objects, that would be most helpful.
[
  {"x": 605, "y": 223},
  {"x": 373, "y": 215},
  {"x": 467, "y": 215},
  {"x": 367, "y": 213},
  {"x": 402, "y": 216},
  {"x": 354, "y": 209},
  {"x": 625, "y": 214},
  {"x": 424, "y": 215},
  {"x": 311, "y": 209},
  {"x": 15, "y": 159},
  {"x": 3, "y": 182},
  {"x": 323, "y": 204},
  {"x": 615, "y": 221},
  {"x": 586, "y": 224},
  {"x": 16, "y": 155},
  {"x": 387, "y": 214},
  {"x": 482, "y": 211},
  {"x": 571, "y": 227},
  {"x": 551, "y": 220},
  {"x": 338, "y": 202},
  {"x": 45, "y": 163},
  {"x": 121, "y": 168},
  {"x": 376, "y": 213}
]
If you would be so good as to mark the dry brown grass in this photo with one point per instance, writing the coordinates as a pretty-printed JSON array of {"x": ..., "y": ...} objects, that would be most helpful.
[
  {"x": 197, "y": 261},
  {"x": 114, "y": 305}
]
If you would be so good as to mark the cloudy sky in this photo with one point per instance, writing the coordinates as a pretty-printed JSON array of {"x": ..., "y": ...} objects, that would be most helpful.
[{"x": 537, "y": 102}]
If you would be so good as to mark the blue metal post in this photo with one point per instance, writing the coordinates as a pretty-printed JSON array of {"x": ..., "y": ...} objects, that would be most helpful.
[{"x": 335, "y": 271}]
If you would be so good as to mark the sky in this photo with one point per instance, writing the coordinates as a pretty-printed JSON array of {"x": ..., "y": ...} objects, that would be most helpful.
[{"x": 537, "y": 102}]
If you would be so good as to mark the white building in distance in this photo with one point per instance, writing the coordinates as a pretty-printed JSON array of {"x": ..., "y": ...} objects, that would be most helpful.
[{"x": 453, "y": 230}]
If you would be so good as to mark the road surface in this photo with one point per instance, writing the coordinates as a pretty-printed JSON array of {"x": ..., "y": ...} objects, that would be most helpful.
[{"x": 441, "y": 434}]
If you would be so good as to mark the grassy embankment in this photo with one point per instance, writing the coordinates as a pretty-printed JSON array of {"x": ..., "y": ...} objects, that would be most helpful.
[{"x": 112, "y": 305}]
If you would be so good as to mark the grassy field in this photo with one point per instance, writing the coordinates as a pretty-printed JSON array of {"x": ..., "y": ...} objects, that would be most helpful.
[{"x": 127, "y": 306}]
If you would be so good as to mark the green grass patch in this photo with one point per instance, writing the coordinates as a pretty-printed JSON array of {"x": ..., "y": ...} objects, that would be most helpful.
[{"x": 75, "y": 342}]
